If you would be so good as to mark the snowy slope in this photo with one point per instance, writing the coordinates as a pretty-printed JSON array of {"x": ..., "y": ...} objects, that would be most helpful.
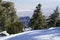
[{"x": 48, "y": 34}]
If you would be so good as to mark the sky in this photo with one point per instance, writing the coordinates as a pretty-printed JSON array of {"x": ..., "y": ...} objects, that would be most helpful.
[{"x": 29, "y": 5}]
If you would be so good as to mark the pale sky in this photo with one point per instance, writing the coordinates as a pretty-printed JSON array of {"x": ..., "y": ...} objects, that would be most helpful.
[{"x": 29, "y": 5}]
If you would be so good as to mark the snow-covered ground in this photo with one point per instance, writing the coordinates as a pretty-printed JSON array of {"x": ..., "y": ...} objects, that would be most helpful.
[{"x": 48, "y": 34}]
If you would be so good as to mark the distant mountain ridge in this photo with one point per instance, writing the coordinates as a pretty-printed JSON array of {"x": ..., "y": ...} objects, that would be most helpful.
[
  {"x": 25, "y": 20},
  {"x": 30, "y": 13}
]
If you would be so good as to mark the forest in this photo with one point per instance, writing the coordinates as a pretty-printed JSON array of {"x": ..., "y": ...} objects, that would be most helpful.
[{"x": 9, "y": 20}]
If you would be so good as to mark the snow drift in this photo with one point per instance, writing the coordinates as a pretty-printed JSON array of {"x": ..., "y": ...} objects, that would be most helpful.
[{"x": 48, "y": 34}]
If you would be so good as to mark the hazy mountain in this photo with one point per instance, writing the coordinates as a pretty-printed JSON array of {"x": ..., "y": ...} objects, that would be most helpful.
[
  {"x": 30, "y": 13},
  {"x": 25, "y": 13},
  {"x": 25, "y": 20}
]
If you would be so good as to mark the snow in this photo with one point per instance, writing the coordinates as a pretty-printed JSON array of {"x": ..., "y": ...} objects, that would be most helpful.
[
  {"x": 54, "y": 27},
  {"x": 28, "y": 29},
  {"x": 4, "y": 32},
  {"x": 48, "y": 34}
]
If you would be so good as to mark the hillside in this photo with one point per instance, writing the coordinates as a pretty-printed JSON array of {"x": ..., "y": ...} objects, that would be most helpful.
[{"x": 48, "y": 34}]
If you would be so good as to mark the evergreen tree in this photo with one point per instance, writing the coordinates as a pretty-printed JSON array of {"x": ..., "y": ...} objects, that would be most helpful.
[
  {"x": 15, "y": 28},
  {"x": 58, "y": 23},
  {"x": 0, "y": 1},
  {"x": 53, "y": 18},
  {"x": 37, "y": 21},
  {"x": 8, "y": 18}
]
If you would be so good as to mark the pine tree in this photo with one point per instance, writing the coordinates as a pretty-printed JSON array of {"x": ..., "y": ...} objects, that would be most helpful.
[
  {"x": 58, "y": 23},
  {"x": 8, "y": 18},
  {"x": 53, "y": 18},
  {"x": 37, "y": 21},
  {"x": 0, "y": 1}
]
